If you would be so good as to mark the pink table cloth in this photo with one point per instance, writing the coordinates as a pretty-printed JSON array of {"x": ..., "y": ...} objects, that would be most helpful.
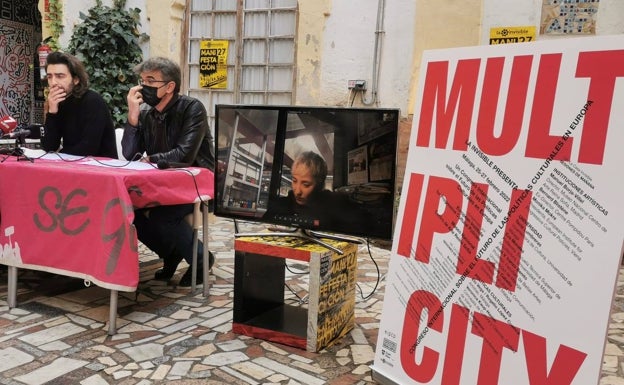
[{"x": 75, "y": 218}]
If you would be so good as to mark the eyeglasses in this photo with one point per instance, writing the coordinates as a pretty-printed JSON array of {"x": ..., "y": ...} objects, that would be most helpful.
[{"x": 152, "y": 82}]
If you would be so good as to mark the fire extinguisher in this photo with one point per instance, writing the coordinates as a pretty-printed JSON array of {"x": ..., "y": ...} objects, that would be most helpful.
[{"x": 43, "y": 51}]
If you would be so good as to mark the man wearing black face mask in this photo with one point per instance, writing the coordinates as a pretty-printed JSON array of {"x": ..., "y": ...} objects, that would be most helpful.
[{"x": 173, "y": 128}]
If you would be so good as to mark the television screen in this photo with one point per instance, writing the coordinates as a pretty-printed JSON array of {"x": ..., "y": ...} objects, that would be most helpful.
[{"x": 326, "y": 169}]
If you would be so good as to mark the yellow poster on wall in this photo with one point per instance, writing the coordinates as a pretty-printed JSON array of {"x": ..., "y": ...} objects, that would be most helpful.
[
  {"x": 504, "y": 35},
  {"x": 213, "y": 63}
]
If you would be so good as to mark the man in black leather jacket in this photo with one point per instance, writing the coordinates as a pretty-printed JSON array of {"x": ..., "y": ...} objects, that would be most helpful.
[{"x": 170, "y": 129}]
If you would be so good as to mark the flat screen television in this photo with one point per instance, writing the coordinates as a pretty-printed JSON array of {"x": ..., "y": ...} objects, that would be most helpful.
[{"x": 269, "y": 156}]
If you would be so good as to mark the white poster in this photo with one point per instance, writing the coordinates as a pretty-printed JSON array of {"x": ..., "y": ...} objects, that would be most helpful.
[
  {"x": 358, "y": 166},
  {"x": 509, "y": 230}
]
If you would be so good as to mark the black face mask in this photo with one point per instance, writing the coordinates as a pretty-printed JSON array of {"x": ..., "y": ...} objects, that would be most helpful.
[{"x": 150, "y": 96}]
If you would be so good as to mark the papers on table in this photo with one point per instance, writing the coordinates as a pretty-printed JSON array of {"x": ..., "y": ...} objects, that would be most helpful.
[
  {"x": 87, "y": 160},
  {"x": 134, "y": 165},
  {"x": 33, "y": 153},
  {"x": 40, "y": 154}
]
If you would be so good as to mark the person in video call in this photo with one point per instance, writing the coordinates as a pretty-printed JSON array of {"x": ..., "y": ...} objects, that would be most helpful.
[
  {"x": 171, "y": 128},
  {"x": 309, "y": 200},
  {"x": 78, "y": 121}
]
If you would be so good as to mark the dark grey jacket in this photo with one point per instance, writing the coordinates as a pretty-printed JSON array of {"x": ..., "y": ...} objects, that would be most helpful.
[{"x": 180, "y": 134}]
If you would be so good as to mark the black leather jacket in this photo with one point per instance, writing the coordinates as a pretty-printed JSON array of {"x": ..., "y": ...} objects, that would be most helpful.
[{"x": 188, "y": 138}]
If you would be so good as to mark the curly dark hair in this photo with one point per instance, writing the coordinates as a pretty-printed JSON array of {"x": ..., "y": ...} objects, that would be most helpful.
[{"x": 76, "y": 70}]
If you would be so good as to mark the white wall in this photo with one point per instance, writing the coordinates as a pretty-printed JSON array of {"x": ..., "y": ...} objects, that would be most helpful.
[
  {"x": 348, "y": 50},
  {"x": 398, "y": 54},
  {"x": 610, "y": 17}
]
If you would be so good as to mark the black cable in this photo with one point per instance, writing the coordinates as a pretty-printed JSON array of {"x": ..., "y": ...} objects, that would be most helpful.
[
  {"x": 296, "y": 272},
  {"x": 299, "y": 299},
  {"x": 378, "y": 274},
  {"x": 127, "y": 162},
  {"x": 103, "y": 163},
  {"x": 22, "y": 155},
  {"x": 199, "y": 196},
  {"x": 121, "y": 165},
  {"x": 364, "y": 298},
  {"x": 58, "y": 154},
  {"x": 353, "y": 98}
]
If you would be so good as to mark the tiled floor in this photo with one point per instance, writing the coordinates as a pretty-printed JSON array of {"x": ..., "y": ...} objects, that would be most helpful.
[{"x": 58, "y": 333}]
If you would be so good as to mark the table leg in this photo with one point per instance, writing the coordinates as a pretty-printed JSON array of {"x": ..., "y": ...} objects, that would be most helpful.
[
  {"x": 12, "y": 287},
  {"x": 112, "y": 319},
  {"x": 205, "y": 237}
]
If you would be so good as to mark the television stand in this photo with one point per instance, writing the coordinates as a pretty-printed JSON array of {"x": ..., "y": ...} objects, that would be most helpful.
[
  {"x": 261, "y": 309},
  {"x": 309, "y": 235}
]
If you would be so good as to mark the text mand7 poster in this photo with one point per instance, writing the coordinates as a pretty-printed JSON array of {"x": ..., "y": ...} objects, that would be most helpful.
[{"x": 508, "y": 235}]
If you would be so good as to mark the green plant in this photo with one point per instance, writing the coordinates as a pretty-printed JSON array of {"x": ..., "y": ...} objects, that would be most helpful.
[
  {"x": 107, "y": 42},
  {"x": 55, "y": 16}
]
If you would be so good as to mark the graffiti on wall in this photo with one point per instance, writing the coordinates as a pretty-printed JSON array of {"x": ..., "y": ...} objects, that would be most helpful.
[{"x": 16, "y": 70}]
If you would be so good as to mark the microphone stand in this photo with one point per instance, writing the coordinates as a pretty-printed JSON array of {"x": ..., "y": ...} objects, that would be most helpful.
[{"x": 17, "y": 151}]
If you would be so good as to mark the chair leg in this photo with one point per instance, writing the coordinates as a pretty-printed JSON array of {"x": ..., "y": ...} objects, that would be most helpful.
[{"x": 194, "y": 261}]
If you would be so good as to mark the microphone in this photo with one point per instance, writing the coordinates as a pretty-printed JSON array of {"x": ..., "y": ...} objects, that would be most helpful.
[
  {"x": 36, "y": 130},
  {"x": 7, "y": 124},
  {"x": 163, "y": 164},
  {"x": 20, "y": 133}
]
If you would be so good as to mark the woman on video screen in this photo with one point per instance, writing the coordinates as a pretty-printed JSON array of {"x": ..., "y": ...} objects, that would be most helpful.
[{"x": 308, "y": 201}]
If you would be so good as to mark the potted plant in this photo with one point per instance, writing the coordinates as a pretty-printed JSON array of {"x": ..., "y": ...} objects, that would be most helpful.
[{"x": 107, "y": 42}]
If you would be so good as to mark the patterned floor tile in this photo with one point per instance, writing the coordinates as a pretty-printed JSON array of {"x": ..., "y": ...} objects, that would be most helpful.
[{"x": 58, "y": 333}]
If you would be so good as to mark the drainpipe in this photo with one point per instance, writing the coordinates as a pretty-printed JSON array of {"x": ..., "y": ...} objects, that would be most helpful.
[{"x": 379, "y": 33}]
